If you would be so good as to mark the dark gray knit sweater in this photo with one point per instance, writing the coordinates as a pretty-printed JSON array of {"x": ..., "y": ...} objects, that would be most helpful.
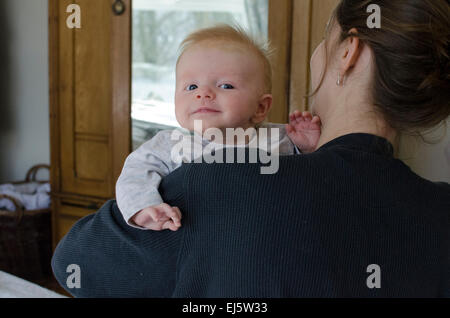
[{"x": 310, "y": 230}]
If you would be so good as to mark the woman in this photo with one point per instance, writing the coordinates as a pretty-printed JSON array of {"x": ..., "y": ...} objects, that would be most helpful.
[{"x": 348, "y": 220}]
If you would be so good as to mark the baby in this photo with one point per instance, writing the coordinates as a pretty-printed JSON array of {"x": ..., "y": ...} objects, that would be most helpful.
[{"x": 224, "y": 80}]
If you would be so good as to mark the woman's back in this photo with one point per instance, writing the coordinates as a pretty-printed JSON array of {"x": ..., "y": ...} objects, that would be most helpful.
[{"x": 316, "y": 228}]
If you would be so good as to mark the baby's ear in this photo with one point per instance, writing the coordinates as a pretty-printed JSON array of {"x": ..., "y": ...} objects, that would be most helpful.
[{"x": 264, "y": 105}]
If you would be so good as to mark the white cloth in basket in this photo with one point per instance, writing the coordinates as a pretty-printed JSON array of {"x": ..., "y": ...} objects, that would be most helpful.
[{"x": 32, "y": 195}]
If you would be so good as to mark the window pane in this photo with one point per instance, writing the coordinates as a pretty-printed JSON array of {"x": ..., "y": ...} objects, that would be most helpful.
[{"x": 159, "y": 26}]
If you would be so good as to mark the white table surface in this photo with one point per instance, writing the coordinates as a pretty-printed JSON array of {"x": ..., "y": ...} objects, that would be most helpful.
[{"x": 15, "y": 287}]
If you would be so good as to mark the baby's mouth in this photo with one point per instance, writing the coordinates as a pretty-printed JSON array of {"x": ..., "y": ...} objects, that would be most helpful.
[{"x": 205, "y": 110}]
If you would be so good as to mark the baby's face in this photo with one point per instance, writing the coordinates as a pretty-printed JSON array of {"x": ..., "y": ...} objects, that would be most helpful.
[{"x": 220, "y": 86}]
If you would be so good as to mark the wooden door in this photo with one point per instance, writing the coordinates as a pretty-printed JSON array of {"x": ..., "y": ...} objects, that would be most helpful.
[
  {"x": 88, "y": 110},
  {"x": 87, "y": 144}
]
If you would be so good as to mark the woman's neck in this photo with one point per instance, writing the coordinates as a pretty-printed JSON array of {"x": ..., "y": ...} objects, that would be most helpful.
[{"x": 336, "y": 124}]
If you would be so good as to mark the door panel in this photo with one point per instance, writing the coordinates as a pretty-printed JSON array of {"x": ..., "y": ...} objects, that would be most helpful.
[{"x": 85, "y": 100}]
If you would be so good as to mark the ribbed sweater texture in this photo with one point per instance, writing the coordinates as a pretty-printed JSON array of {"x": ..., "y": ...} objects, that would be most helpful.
[{"x": 310, "y": 230}]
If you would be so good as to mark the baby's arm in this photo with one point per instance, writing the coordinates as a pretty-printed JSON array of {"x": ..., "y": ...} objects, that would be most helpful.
[
  {"x": 137, "y": 193},
  {"x": 304, "y": 130}
]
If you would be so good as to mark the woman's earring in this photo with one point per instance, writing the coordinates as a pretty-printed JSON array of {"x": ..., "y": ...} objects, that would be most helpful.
[{"x": 340, "y": 80}]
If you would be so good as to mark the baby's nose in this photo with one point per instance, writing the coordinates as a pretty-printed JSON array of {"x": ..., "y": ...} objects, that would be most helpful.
[{"x": 205, "y": 93}]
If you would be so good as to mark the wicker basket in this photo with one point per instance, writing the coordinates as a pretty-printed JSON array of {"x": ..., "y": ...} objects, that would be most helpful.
[{"x": 25, "y": 238}]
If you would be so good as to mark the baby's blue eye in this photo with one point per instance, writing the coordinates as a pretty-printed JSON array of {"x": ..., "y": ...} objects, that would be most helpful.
[
  {"x": 191, "y": 87},
  {"x": 226, "y": 86}
]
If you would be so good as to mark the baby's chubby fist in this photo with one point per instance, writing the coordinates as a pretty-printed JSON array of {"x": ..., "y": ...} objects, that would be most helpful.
[{"x": 158, "y": 217}]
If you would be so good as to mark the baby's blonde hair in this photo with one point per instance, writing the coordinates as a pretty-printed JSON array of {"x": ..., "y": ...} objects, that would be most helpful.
[{"x": 224, "y": 33}]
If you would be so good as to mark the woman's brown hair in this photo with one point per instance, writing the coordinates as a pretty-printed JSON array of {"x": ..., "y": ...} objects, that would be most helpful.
[{"x": 411, "y": 83}]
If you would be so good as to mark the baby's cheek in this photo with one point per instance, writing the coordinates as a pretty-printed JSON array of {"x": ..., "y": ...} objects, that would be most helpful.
[
  {"x": 188, "y": 124},
  {"x": 182, "y": 120}
]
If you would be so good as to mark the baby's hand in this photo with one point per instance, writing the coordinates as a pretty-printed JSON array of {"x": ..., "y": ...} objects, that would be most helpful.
[
  {"x": 304, "y": 130},
  {"x": 158, "y": 217}
]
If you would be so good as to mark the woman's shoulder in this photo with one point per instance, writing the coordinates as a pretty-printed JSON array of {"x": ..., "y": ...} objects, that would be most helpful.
[
  {"x": 443, "y": 189},
  {"x": 437, "y": 191}
]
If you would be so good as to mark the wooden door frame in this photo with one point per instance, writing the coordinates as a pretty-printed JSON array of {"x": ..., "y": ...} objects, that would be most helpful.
[
  {"x": 121, "y": 59},
  {"x": 280, "y": 35},
  {"x": 308, "y": 29}
]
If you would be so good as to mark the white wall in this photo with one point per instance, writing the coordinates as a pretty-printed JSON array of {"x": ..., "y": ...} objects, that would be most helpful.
[
  {"x": 24, "y": 110},
  {"x": 431, "y": 161}
]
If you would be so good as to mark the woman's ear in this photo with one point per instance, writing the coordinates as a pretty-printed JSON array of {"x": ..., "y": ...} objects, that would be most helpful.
[
  {"x": 264, "y": 105},
  {"x": 351, "y": 51}
]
